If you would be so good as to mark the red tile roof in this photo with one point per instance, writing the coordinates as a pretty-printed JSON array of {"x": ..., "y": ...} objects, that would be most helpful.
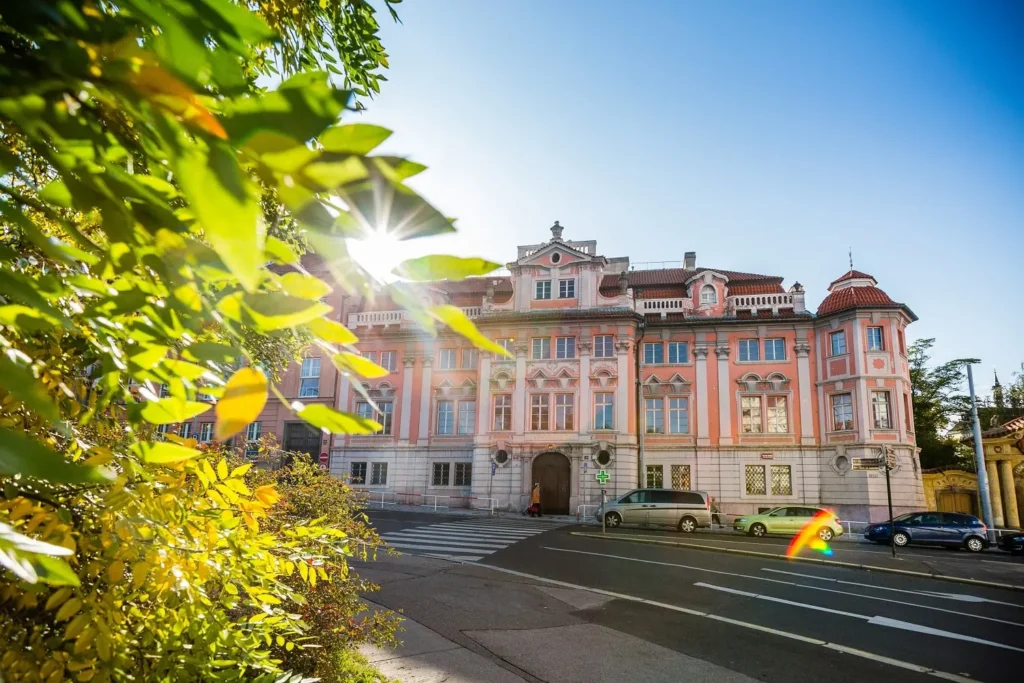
[
  {"x": 756, "y": 288},
  {"x": 854, "y": 275},
  {"x": 677, "y": 276},
  {"x": 855, "y": 297}
]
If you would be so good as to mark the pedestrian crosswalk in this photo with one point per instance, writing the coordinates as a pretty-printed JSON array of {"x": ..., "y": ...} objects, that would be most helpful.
[{"x": 468, "y": 541}]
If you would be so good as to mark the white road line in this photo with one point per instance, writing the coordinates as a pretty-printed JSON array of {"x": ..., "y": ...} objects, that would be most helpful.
[
  {"x": 420, "y": 538},
  {"x": 796, "y": 585},
  {"x": 463, "y": 534},
  {"x": 475, "y": 530},
  {"x": 456, "y": 558},
  {"x": 439, "y": 548},
  {"x": 497, "y": 529},
  {"x": 875, "y": 620},
  {"x": 742, "y": 624}
]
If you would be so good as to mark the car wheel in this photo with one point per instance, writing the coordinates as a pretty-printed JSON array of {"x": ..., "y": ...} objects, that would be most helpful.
[
  {"x": 825, "y": 534},
  {"x": 612, "y": 519},
  {"x": 974, "y": 544},
  {"x": 758, "y": 530},
  {"x": 687, "y": 525},
  {"x": 900, "y": 539}
]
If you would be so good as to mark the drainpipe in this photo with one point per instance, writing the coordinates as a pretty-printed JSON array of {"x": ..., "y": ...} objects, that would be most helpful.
[{"x": 640, "y": 427}]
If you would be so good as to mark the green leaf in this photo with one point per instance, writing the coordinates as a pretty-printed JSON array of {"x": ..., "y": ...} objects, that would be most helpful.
[
  {"x": 184, "y": 370},
  {"x": 22, "y": 384},
  {"x": 436, "y": 267},
  {"x": 210, "y": 351},
  {"x": 225, "y": 202},
  {"x": 54, "y": 571},
  {"x": 353, "y": 138},
  {"x": 171, "y": 410},
  {"x": 21, "y": 455},
  {"x": 34, "y": 561},
  {"x": 458, "y": 322},
  {"x": 301, "y": 108},
  {"x": 57, "y": 192},
  {"x": 304, "y": 286},
  {"x": 333, "y": 421},
  {"x": 271, "y": 311},
  {"x": 361, "y": 366},
  {"x": 163, "y": 452},
  {"x": 278, "y": 251},
  {"x": 26, "y": 319},
  {"x": 148, "y": 358},
  {"x": 331, "y": 331}
]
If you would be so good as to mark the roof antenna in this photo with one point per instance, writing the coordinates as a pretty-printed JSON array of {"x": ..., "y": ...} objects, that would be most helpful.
[{"x": 851, "y": 258}]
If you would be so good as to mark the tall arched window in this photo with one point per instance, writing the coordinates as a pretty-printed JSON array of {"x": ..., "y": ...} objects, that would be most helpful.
[{"x": 708, "y": 295}]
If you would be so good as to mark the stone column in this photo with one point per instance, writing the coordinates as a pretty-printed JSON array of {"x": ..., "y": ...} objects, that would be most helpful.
[
  {"x": 483, "y": 395},
  {"x": 1010, "y": 514},
  {"x": 624, "y": 391},
  {"x": 519, "y": 407},
  {"x": 700, "y": 356},
  {"x": 407, "y": 389},
  {"x": 342, "y": 404},
  {"x": 864, "y": 421},
  {"x": 803, "y": 374},
  {"x": 994, "y": 493},
  {"x": 724, "y": 397},
  {"x": 425, "y": 390},
  {"x": 586, "y": 410}
]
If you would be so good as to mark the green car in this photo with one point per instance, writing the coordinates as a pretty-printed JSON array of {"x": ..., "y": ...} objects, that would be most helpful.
[{"x": 788, "y": 520}]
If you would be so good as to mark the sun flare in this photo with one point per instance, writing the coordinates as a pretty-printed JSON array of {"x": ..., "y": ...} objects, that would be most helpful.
[{"x": 379, "y": 254}]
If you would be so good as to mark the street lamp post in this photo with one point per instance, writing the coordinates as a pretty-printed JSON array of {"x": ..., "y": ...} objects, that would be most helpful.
[
  {"x": 979, "y": 454},
  {"x": 640, "y": 426}
]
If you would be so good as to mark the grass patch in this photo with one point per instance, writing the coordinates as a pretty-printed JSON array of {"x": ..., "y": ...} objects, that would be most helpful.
[{"x": 353, "y": 668}]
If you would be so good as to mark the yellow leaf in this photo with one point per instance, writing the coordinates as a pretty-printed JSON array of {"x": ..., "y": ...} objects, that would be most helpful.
[
  {"x": 241, "y": 469},
  {"x": 230, "y": 588},
  {"x": 208, "y": 471},
  {"x": 303, "y": 570},
  {"x": 58, "y": 598},
  {"x": 237, "y": 486},
  {"x": 364, "y": 367},
  {"x": 257, "y": 618},
  {"x": 217, "y": 498},
  {"x": 165, "y": 90},
  {"x": 267, "y": 495},
  {"x": 331, "y": 331},
  {"x": 76, "y": 626},
  {"x": 84, "y": 641},
  {"x": 69, "y": 609},
  {"x": 115, "y": 571},
  {"x": 222, "y": 469},
  {"x": 244, "y": 397}
]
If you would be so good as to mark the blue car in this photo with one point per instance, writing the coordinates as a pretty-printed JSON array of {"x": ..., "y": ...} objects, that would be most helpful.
[
  {"x": 950, "y": 529},
  {"x": 1012, "y": 542}
]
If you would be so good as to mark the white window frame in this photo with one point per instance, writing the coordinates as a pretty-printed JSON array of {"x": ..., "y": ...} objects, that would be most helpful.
[
  {"x": 656, "y": 355},
  {"x": 654, "y": 416},
  {"x": 567, "y": 289},
  {"x": 674, "y": 355},
  {"x": 467, "y": 417},
  {"x": 678, "y": 415},
  {"x": 185, "y": 430},
  {"x": 502, "y": 413},
  {"x": 389, "y": 360},
  {"x": 462, "y": 474},
  {"x": 469, "y": 359},
  {"x": 252, "y": 436},
  {"x": 565, "y": 412},
  {"x": 446, "y": 359},
  {"x": 385, "y": 416},
  {"x": 881, "y": 409},
  {"x": 604, "y": 406},
  {"x": 877, "y": 344},
  {"x": 509, "y": 344},
  {"x": 378, "y": 474},
  {"x": 444, "y": 420},
  {"x": 745, "y": 347},
  {"x": 751, "y": 415},
  {"x": 773, "y": 347},
  {"x": 777, "y": 414},
  {"x": 205, "y": 432},
  {"x": 352, "y": 467},
  {"x": 708, "y": 295},
  {"x": 310, "y": 370},
  {"x": 565, "y": 348},
  {"x": 540, "y": 413},
  {"x": 544, "y": 345},
  {"x": 834, "y": 337},
  {"x": 446, "y": 469},
  {"x": 542, "y": 290},
  {"x": 747, "y": 469},
  {"x": 847, "y": 407},
  {"x": 788, "y": 469},
  {"x": 604, "y": 346},
  {"x": 655, "y": 477}
]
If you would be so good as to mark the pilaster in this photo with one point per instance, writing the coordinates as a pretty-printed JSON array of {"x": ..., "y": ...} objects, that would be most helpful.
[
  {"x": 519, "y": 407},
  {"x": 622, "y": 392},
  {"x": 423, "y": 433},
  {"x": 405, "y": 421},
  {"x": 585, "y": 412},
  {"x": 483, "y": 394},
  {"x": 863, "y": 407},
  {"x": 700, "y": 356},
  {"x": 803, "y": 373},
  {"x": 724, "y": 402}
]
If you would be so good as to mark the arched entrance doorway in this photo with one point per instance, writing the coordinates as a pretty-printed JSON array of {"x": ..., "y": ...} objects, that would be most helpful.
[{"x": 552, "y": 472}]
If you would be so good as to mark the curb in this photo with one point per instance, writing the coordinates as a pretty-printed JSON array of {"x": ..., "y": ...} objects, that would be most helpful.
[{"x": 813, "y": 560}]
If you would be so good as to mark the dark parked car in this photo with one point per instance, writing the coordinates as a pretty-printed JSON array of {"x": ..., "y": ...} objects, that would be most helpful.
[
  {"x": 932, "y": 528},
  {"x": 1012, "y": 542}
]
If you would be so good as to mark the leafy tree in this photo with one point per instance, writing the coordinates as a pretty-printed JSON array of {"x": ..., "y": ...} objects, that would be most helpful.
[
  {"x": 144, "y": 180},
  {"x": 938, "y": 402}
]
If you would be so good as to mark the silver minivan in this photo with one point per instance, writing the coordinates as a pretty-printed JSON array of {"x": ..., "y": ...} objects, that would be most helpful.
[{"x": 684, "y": 510}]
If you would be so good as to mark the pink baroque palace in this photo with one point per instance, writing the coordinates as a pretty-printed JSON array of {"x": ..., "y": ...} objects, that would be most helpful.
[{"x": 742, "y": 391}]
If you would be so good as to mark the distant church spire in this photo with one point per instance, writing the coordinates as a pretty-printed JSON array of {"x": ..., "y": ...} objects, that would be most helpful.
[
  {"x": 997, "y": 391},
  {"x": 851, "y": 258}
]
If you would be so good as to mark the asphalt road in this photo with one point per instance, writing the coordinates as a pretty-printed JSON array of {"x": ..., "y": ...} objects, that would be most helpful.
[{"x": 776, "y": 620}]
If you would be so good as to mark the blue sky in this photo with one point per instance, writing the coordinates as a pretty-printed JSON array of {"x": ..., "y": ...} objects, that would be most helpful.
[{"x": 767, "y": 137}]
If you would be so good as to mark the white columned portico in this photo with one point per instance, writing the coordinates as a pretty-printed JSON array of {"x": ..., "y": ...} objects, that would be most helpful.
[
  {"x": 586, "y": 411},
  {"x": 519, "y": 407},
  {"x": 425, "y": 392},
  {"x": 803, "y": 375},
  {"x": 862, "y": 382},
  {"x": 622, "y": 391},
  {"x": 700, "y": 355},
  {"x": 483, "y": 395},
  {"x": 407, "y": 390},
  {"x": 724, "y": 410}
]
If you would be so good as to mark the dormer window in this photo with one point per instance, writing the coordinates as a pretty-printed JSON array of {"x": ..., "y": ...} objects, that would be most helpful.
[
  {"x": 543, "y": 290},
  {"x": 567, "y": 289},
  {"x": 556, "y": 257},
  {"x": 708, "y": 295}
]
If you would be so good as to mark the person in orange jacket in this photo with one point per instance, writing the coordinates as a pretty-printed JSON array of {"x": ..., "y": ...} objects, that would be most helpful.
[{"x": 535, "y": 500}]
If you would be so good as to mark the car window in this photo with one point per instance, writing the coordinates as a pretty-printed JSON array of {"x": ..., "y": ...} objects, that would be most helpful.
[
  {"x": 778, "y": 512},
  {"x": 631, "y": 498},
  {"x": 795, "y": 512},
  {"x": 913, "y": 519},
  {"x": 661, "y": 497},
  {"x": 687, "y": 498},
  {"x": 931, "y": 519}
]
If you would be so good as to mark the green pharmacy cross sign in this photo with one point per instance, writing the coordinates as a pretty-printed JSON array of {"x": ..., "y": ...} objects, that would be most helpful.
[{"x": 602, "y": 477}]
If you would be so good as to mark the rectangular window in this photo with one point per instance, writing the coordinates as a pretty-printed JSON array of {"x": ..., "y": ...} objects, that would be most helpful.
[
  {"x": 502, "y": 413},
  {"x": 379, "y": 474},
  {"x": 653, "y": 416},
  {"x": 565, "y": 347},
  {"x": 539, "y": 412},
  {"x": 357, "y": 472},
  {"x": 782, "y": 480},
  {"x": 371, "y": 356},
  {"x": 388, "y": 360},
  {"x": 543, "y": 289},
  {"x": 206, "y": 432},
  {"x": 567, "y": 289},
  {"x": 603, "y": 346},
  {"x": 565, "y": 412},
  {"x": 252, "y": 435},
  {"x": 906, "y": 413},
  {"x": 680, "y": 477},
  {"x": 678, "y": 416},
  {"x": 185, "y": 430},
  {"x": 778, "y": 415},
  {"x": 880, "y": 409},
  {"x": 604, "y": 411},
  {"x": 161, "y": 430},
  {"x": 903, "y": 342},
  {"x": 837, "y": 343},
  {"x": 364, "y": 410},
  {"x": 875, "y": 342},
  {"x": 165, "y": 391},
  {"x": 749, "y": 350},
  {"x": 655, "y": 476},
  {"x": 441, "y": 474},
  {"x": 507, "y": 344},
  {"x": 463, "y": 474},
  {"x": 467, "y": 417},
  {"x": 755, "y": 480},
  {"x": 654, "y": 354},
  {"x": 541, "y": 348},
  {"x": 309, "y": 378},
  {"x": 842, "y": 412},
  {"x": 446, "y": 359},
  {"x": 445, "y": 417},
  {"x": 469, "y": 359},
  {"x": 385, "y": 417},
  {"x": 775, "y": 349},
  {"x": 751, "y": 412},
  {"x": 678, "y": 353}
]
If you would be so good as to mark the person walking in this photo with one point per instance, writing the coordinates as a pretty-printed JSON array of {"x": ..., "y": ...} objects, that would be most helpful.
[{"x": 535, "y": 500}]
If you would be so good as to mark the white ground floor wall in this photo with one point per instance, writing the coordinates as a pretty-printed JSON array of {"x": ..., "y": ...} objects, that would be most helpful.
[{"x": 830, "y": 477}]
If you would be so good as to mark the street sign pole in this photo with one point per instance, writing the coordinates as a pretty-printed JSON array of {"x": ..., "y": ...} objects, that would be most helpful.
[
  {"x": 602, "y": 509},
  {"x": 888, "y": 494}
]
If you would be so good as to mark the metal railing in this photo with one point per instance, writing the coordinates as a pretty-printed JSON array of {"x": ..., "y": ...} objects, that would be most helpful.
[
  {"x": 435, "y": 505},
  {"x": 761, "y": 301},
  {"x": 386, "y": 318},
  {"x": 666, "y": 305},
  {"x": 581, "y": 510},
  {"x": 383, "y": 496}
]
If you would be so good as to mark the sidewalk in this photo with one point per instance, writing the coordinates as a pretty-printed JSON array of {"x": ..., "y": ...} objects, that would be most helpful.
[{"x": 469, "y": 624}]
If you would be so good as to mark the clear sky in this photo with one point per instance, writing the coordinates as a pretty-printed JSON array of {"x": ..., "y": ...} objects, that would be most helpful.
[{"x": 767, "y": 137}]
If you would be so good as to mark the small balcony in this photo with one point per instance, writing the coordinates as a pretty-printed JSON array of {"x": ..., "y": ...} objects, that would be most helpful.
[
  {"x": 663, "y": 306},
  {"x": 761, "y": 302},
  {"x": 394, "y": 318}
]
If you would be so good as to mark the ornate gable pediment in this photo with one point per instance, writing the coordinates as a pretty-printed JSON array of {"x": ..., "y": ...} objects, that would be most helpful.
[
  {"x": 544, "y": 257},
  {"x": 752, "y": 382}
]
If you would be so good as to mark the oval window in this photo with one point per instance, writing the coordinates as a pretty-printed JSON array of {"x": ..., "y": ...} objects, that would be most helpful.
[
  {"x": 501, "y": 457},
  {"x": 556, "y": 257},
  {"x": 603, "y": 458}
]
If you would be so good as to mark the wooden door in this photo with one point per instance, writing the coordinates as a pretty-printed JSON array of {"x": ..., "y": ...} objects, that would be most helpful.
[
  {"x": 301, "y": 438},
  {"x": 552, "y": 471}
]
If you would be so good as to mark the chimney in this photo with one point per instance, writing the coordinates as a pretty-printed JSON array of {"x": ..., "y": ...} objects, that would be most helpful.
[
  {"x": 690, "y": 260},
  {"x": 799, "y": 302}
]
